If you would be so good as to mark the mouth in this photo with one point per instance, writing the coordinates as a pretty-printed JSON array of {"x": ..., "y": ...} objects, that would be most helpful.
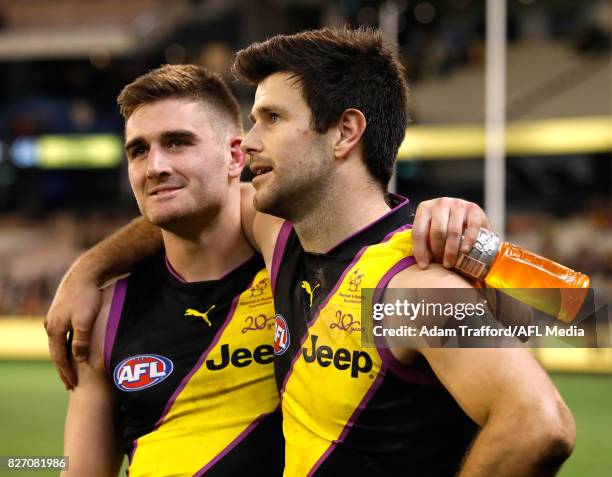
[
  {"x": 260, "y": 170},
  {"x": 163, "y": 191}
]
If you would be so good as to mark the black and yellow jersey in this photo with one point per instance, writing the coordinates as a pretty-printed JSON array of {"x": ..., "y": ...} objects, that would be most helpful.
[
  {"x": 192, "y": 365},
  {"x": 350, "y": 410}
]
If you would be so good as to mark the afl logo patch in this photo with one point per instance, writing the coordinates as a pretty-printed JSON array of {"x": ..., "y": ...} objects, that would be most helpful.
[
  {"x": 141, "y": 372},
  {"x": 281, "y": 335}
]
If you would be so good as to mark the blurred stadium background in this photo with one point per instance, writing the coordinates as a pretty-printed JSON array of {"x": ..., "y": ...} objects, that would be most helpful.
[{"x": 63, "y": 183}]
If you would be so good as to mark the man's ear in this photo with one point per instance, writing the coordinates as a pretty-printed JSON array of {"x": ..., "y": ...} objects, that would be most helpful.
[
  {"x": 351, "y": 127},
  {"x": 237, "y": 157}
]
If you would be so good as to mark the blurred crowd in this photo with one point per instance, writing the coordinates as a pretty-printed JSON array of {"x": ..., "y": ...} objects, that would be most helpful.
[
  {"x": 581, "y": 242},
  {"x": 435, "y": 39},
  {"x": 34, "y": 255},
  {"x": 437, "y": 47}
]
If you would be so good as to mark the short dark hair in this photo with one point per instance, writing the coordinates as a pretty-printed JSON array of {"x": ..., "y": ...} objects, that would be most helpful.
[
  {"x": 340, "y": 69},
  {"x": 180, "y": 81}
]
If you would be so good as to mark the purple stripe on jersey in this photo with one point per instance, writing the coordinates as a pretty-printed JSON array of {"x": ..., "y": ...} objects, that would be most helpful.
[
  {"x": 405, "y": 372},
  {"x": 232, "y": 444},
  {"x": 237, "y": 267},
  {"x": 112, "y": 324},
  {"x": 172, "y": 271},
  {"x": 402, "y": 264},
  {"x": 404, "y": 202},
  {"x": 199, "y": 363},
  {"x": 391, "y": 234},
  {"x": 197, "y": 366},
  {"x": 314, "y": 320},
  {"x": 351, "y": 422},
  {"x": 398, "y": 368},
  {"x": 279, "y": 250},
  {"x": 176, "y": 274},
  {"x": 131, "y": 457},
  {"x": 328, "y": 297},
  {"x": 394, "y": 270}
]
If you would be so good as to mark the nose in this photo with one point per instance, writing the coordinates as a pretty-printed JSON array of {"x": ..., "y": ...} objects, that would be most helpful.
[
  {"x": 157, "y": 163},
  {"x": 252, "y": 144}
]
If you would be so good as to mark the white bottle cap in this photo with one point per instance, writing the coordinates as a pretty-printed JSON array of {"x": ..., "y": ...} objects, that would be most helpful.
[{"x": 478, "y": 261}]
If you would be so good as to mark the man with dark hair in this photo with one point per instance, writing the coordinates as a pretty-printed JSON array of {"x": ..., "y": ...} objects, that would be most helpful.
[
  {"x": 173, "y": 379},
  {"x": 357, "y": 72},
  {"x": 327, "y": 117}
]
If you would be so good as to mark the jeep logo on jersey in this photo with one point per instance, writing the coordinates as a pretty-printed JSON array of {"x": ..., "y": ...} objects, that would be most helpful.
[
  {"x": 141, "y": 372},
  {"x": 241, "y": 357},
  {"x": 342, "y": 358},
  {"x": 281, "y": 335}
]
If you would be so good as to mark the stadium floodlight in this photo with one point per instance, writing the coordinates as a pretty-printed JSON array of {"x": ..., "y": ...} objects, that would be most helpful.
[{"x": 24, "y": 152}]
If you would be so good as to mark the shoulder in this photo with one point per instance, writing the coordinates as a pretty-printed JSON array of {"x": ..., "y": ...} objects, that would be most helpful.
[
  {"x": 435, "y": 276},
  {"x": 267, "y": 229},
  {"x": 261, "y": 229}
]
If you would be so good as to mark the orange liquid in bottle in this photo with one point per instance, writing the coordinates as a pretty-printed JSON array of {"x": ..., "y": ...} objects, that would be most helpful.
[{"x": 518, "y": 270}]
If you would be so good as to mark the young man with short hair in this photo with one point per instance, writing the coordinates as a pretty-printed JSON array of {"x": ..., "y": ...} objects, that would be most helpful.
[
  {"x": 328, "y": 118},
  {"x": 176, "y": 378}
]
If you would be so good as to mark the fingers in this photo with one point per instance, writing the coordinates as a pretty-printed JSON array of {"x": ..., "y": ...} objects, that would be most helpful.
[
  {"x": 474, "y": 221},
  {"x": 59, "y": 354},
  {"x": 80, "y": 341},
  {"x": 69, "y": 381},
  {"x": 420, "y": 235},
  {"x": 439, "y": 227},
  {"x": 453, "y": 234}
]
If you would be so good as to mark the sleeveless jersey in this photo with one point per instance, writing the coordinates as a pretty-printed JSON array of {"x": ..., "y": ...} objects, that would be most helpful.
[
  {"x": 347, "y": 409},
  {"x": 192, "y": 366}
]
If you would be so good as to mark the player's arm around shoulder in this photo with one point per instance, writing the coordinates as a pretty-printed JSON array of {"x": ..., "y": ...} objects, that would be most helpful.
[
  {"x": 90, "y": 434},
  {"x": 526, "y": 428},
  {"x": 260, "y": 229}
]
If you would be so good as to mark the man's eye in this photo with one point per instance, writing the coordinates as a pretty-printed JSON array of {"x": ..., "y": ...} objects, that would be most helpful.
[
  {"x": 176, "y": 143},
  {"x": 274, "y": 117},
  {"x": 137, "y": 151}
]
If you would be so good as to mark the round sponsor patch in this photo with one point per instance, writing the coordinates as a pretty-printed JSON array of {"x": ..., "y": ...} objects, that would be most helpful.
[
  {"x": 281, "y": 335},
  {"x": 141, "y": 372}
]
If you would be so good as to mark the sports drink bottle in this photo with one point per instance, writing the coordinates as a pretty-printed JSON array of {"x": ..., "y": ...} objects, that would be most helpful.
[{"x": 537, "y": 281}]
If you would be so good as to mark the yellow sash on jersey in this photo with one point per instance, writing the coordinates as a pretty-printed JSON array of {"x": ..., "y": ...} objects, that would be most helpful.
[
  {"x": 325, "y": 389},
  {"x": 217, "y": 405}
]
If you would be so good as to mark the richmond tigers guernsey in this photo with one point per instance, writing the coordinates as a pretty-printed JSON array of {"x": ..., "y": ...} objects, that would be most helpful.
[
  {"x": 192, "y": 365},
  {"x": 349, "y": 410}
]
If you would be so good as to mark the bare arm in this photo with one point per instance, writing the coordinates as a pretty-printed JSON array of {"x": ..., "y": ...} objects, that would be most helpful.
[
  {"x": 117, "y": 254},
  {"x": 90, "y": 436},
  {"x": 261, "y": 230},
  {"x": 526, "y": 428},
  {"x": 77, "y": 300}
]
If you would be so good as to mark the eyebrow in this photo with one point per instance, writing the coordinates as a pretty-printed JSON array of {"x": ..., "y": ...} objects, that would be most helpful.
[
  {"x": 267, "y": 109},
  {"x": 165, "y": 136},
  {"x": 132, "y": 143},
  {"x": 179, "y": 134}
]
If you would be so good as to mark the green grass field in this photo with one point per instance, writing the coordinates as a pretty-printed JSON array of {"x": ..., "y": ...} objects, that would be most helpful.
[{"x": 33, "y": 403}]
